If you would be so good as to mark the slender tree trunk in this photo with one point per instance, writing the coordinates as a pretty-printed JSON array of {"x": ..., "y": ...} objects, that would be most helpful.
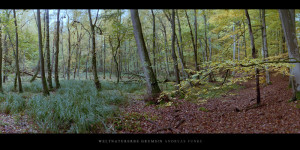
[
  {"x": 114, "y": 57},
  {"x": 1, "y": 88},
  {"x": 254, "y": 55},
  {"x": 234, "y": 46},
  {"x": 239, "y": 47},
  {"x": 193, "y": 42},
  {"x": 153, "y": 42},
  {"x": 44, "y": 82},
  {"x": 205, "y": 36},
  {"x": 5, "y": 58},
  {"x": 69, "y": 49},
  {"x": 76, "y": 56},
  {"x": 111, "y": 66},
  {"x": 57, "y": 85},
  {"x": 79, "y": 56},
  {"x": 166, "y": 47},
  {"x": 104, "y": 56},
  {"x": 244, "y": 39},
  {"x": 17, "y": 55},
  {"x": 120, "y": 64},
  {"x": 94, "y": 61},
  {"x": 48, "y": 51},
  {"x": 87, "y": 60},
  {"x": 62, "y": 51},
  {"x": 264, "y": 40},
  {"x": 37, "y": 71},
  {"x": 152, "y": 85},
  {"x": 196, "y": 37}
]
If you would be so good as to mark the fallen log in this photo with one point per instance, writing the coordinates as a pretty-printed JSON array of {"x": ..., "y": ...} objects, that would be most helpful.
[{"x": 30, "y": 74}]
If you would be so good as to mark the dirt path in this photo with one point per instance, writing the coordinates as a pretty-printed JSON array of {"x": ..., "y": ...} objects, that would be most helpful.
[{"x": 228, "y": 114}]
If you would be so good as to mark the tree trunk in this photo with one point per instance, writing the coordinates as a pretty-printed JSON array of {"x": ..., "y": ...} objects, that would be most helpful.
[
  {"x": 196, "y": 37},
  {"x": 57, "y": 85},
  {"x": 76, "y": 56},
  {"x": 37, "y": 71},
  {"x": 17, "y": 55},
  {"x": 1, "y": 88},
  {"x": 287, "y": 17},
  {"x": 94, "y": 61},
  {"x": 166, "y": 47},
  {"x": 173, "y": 49},
  {"x": 79, "y": 56},
  {"x": 244, "y": 39},
  {"x": 104, "y": 56},
  {"x": 62, "y": 50},
  {"x": 87, "y": 60},
  {"x": 254, "y": 55},
  {"x": 193, "y": 42},
  {"x": 48, "y": 51},
  {"x": 264, "y": 40},
  {"x": 69, "y": 49},
  {"x": 152, "y": 85},
  {"x": 5, "y": 58},
  {"x": 111, "y": 66},
  {"x": 205, "y": 37},
  {"x": 234, "y": 46},
  {"x": 153, "y": 42},
  {"x": 44, "y": 82},
  {"x": 180, "y": 38}
]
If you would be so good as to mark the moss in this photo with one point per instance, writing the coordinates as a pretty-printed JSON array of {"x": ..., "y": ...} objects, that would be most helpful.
[
  {"x": 203, "y": 109},
  {"x": 298, "y": 95}
]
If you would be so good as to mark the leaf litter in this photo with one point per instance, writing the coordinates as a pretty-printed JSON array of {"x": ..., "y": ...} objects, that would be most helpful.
[{"x": 231, "y": 113}]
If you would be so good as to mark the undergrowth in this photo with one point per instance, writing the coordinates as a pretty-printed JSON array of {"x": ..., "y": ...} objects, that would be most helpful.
[{"x": 76, "y": 107}]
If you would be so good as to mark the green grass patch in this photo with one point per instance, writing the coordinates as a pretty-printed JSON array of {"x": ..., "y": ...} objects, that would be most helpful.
[{"x": 77, "y": 107}]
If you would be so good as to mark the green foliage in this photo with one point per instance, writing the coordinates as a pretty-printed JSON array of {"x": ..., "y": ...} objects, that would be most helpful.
[
  {"x": 203, "y": 109},
  {"x": 12, "y": 103},
  {"x": 79, "y": 109}
]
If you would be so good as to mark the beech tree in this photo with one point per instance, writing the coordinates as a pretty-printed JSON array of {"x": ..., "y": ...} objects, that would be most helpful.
[
  {"x": 18, "y": 76},
  {"x": 287, "y": 17},
  {"x": 94, "y": 61},
  {"x": 254, "y": 55},
  {"x": 49, "y": 79},
  {"x": 44, "y": 82},
  {"x": 264, "y": 40},
  {"x": 57, "y": 84},
  {"x": 1, "y": 88},
  {"x": 152, "y": 85},
  {"x": 173, "y": 48}
]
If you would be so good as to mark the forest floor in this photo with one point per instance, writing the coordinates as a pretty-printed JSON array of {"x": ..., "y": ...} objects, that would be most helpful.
[
  {"x": 235, "y": 112},
  {"x": 232, "y": 112},
  {"x": 16, "y": 124}
]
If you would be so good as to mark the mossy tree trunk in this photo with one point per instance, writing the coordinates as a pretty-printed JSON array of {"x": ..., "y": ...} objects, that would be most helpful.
[
  {"x": 1, "y": 88},
  {"x": 49, "y": 78},
  {"x": 44, "y": 82},
  {"x": 56, "y": 77},
  {"x": 94, "y": 61}
]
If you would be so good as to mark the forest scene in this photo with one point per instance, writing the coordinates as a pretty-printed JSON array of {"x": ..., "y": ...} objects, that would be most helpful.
[{"x": 149, "y": 71}]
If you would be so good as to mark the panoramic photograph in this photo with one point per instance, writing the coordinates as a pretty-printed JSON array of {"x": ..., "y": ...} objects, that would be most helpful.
[{"x": 149, "y": 71}]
